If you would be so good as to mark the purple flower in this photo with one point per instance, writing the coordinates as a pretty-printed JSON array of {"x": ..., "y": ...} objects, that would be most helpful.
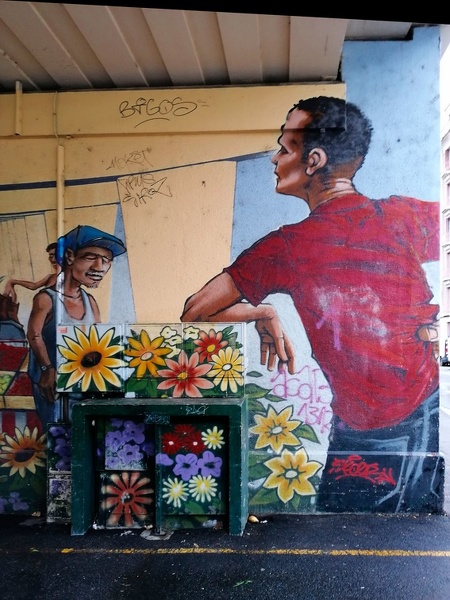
[
  {"x": 186, "y": 466},
  {"x": 3, "y": 502},
  {"x": 134, "y": 431},
  {"x": 129, "y": 453},
  {"x": 62, "y": 447},
  {"x": 56, "y": 487},
  {"x": 16, "y": 502},
  {"x": 63, "y": 464},
  {"x": 113, "y": 440},
  {"x": 112, "y": 462},
  {"x": 163, "y": 459},
  {"x": 116, "y": 422},
  {"x": 57, "y": 430},
  {"x": 210, "y": 464}
]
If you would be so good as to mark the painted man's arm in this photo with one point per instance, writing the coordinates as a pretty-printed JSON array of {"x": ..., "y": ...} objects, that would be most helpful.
[
  {"x": 42, "y": 306},
  {"x": 46, "y": 281},
  {"x": 220, "y": 301}
]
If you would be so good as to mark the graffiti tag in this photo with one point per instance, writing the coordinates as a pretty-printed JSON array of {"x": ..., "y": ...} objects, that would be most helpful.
[
  {"x": 135, "y": 158},
  {"x": 314, "y": 408},
  {"x": 151, "y": 110},
  {"x": 196, "y": 410},
  {"x": 355, "y": 466},
  {"x": 142, "y": 187}
]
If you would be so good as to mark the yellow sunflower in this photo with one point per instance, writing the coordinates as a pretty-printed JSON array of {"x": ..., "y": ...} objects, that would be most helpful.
[
  {"x": 146, "y": 354},
  {"x": 290, "y": 474},
  {"x": 90, "y": 359},
  {"x": 275, "y": 429},
  {"x": 228, "y": 368},
  {"x": 24, "y": 451}
]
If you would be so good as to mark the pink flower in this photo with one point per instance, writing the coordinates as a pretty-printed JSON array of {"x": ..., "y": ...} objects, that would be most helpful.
[
  {"x": 185, "y": 376},
  {"x": 209, "y": 344}
]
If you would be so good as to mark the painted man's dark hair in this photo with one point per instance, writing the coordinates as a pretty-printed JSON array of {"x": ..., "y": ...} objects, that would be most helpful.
[{"x": 337, "y": 126}]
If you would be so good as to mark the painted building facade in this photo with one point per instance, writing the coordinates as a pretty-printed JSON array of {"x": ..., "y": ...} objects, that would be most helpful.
[{"x": 126, "y": 203}]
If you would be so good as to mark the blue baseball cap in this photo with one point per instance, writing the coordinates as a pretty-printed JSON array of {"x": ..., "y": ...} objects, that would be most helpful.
[{"x": 85, "y": 235}]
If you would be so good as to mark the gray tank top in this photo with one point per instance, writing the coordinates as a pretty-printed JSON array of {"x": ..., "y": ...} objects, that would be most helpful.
[{"x": 49, "y": 329}]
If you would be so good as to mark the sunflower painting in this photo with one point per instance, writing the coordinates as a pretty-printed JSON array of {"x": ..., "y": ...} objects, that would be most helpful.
[
  {"x": 89, "y": 358},
  {"x": 22, "y": 469},
  {"x": 193, "y": 360}
]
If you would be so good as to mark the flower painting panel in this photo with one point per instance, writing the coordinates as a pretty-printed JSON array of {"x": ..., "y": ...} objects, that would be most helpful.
[
  {"x": 59, "y": 447},
  {"x": 90, "y": 358},
  {"x": 126, "y": 500},
  {"x": 148, "y": 347},
  {"x": 215, "y": 355},
  {"x": 128, "y": 444},
  {"x": 22, "y": 467},
  {"x": 194, "y": 360},
  {"x": 193, "y": 468}
]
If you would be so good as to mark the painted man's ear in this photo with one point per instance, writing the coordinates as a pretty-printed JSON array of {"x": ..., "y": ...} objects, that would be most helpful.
[
  {"x": 317, "y": 159},
  {"x": 70, "y": 256}
]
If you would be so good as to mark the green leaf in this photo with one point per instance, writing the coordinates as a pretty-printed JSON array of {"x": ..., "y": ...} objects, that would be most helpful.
[
  {"x": 227, "y": 330},
  {"x": 264, "y": 496},
  {"x": 254, "y": 374},
  {"x": 255, "y": 391},
  {"x": 189, "y": 346},
  {"x": 306, "y": 432},
  {"x": 274, "y": 398},
  {"x": 62, "y": 380},
  {"x": 257, "y": 471},
  {"x": 257, "y": 457},
  {"x": 136, "y": 385},
  {"x": 194, "y": 508},
  {"x": 256, "y": 406}
]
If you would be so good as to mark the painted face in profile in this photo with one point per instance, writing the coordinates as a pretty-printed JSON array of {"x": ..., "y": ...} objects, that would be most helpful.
[{"x": 289, "y": 166}]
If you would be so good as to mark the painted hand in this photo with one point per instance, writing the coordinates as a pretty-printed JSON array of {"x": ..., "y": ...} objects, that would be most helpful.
[
  {"x": 47, "y": 384},
  {"x": 275, "y": 344}
]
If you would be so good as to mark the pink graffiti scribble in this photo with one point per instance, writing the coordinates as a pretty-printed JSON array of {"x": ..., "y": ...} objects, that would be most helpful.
[
  {"x": 332, "y": 314},
  {"x": 312, "y": 396},
  {"x": 355, "y": 466}
]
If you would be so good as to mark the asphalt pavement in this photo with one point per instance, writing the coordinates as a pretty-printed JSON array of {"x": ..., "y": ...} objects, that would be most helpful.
[{"x": 316, "y": 557}]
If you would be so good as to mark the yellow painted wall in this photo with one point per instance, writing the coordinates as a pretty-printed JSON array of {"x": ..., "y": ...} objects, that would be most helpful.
[{"x": 162, "y": 154}]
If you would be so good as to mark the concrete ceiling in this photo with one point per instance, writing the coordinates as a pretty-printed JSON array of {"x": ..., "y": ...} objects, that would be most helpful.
[{"x": 50, "y": 46}]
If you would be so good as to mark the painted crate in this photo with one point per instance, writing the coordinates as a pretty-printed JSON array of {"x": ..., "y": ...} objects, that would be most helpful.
[
  {"x": 90, "y": 358},
  {"x": 194, "y": 360},
  {"x": 193, "y": 469}
]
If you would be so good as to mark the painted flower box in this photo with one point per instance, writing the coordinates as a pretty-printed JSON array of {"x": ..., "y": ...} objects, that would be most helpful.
[
  {"x": 193, "y": 470},
  {"x": 126, "y": 500},
  {"x": 89, "y": 358},
  {"x": 194, "y": 360}
]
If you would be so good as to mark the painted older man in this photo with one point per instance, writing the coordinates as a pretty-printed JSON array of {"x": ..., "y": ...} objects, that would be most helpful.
[{"x": 85, "y": 255}]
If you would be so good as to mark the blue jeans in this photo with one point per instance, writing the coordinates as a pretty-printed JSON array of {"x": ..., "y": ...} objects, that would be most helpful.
[
  {"x": 391, "y": 469},
  {"x": 53, "y": 412}
]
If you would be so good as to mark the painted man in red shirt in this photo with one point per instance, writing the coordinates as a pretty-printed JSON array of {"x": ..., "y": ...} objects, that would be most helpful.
[{"x": 354, "y": 271}]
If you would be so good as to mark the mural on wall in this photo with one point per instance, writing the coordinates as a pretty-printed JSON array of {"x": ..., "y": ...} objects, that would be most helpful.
[
  {"x": 353, "y": 269},
  {"x": 173, "y": 244}
]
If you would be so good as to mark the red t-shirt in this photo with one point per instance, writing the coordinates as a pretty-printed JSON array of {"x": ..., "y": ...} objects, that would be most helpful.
[{"x": 353, "y": 268}]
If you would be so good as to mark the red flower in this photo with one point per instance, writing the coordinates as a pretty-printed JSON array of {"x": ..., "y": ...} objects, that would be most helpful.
[
  {"x": 127, "y": 495},
  {"x": 209, "y": 344},
  {"x": 194, "y": 443},
  {"x": 171, "y": 443},
  {"x": 184, "y": 429}
]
